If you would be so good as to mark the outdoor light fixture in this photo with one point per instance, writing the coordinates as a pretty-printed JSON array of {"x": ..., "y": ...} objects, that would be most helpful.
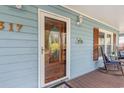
[
  {"x": 19, "y": 6},
  {"x": 80, "y": 20}
]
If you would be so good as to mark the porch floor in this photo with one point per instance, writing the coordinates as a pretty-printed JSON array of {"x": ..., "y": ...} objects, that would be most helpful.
[{"x": 98, "y": 79}]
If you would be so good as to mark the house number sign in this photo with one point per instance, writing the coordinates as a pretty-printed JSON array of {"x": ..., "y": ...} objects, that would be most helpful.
[{"x": 11, "y": 26}]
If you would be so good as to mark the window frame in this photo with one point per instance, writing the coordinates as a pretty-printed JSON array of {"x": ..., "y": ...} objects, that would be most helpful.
[{"x": 107, "y": 32}]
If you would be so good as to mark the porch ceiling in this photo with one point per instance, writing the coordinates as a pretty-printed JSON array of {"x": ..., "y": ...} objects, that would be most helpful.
[{"x": 110, "y": 14}]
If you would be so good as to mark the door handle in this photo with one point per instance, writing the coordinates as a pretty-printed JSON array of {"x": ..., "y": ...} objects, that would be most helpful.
[{"x": 42, "y": 50}]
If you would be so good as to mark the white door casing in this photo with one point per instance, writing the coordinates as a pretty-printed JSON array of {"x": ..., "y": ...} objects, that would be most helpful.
[{"x": 41, "y": 43}]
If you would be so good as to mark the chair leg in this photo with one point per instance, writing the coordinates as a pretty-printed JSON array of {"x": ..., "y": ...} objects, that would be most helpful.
[
  {"x": 122, "y": 70},
  {"x": 106, "y": 69},
  {"x": 118, "y": 67}
]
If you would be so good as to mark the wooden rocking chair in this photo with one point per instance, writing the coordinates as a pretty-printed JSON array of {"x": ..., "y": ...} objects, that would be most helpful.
[{"x": 115, "y": 63}]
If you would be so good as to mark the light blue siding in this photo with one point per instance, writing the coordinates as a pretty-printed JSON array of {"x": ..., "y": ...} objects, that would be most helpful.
[{"x": 18, "y": 50}]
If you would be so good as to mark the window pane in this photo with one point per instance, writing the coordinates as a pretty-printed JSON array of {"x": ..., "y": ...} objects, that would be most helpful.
[
  {"x": 121, "y": 43},
  {"x": 108, "y": 44},
  {"x": 102, "y": 42}
]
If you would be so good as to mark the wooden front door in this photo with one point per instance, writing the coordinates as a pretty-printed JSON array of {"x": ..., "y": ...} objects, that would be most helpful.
[{"x": 55, "y": 49}]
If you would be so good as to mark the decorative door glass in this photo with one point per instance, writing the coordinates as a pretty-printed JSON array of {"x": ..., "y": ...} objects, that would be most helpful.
[{"x": 55, "y": 49}]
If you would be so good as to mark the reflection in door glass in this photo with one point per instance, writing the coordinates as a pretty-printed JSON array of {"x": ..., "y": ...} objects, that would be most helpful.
[
  {"x": 54, "y": 44},
  {"x": 55, "y": 49}
]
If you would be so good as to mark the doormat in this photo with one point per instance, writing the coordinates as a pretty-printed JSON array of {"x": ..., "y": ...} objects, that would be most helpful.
[{"x": 62, "y": 85}]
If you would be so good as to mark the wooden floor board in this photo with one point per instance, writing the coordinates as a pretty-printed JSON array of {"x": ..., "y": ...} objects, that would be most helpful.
[{"x": 98, "y": 79}]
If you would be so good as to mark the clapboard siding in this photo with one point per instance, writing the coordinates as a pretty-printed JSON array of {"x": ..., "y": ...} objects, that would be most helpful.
[
  {"x": 24, "y": 21},
  {"x": 18, "y": 43},
  {"x": 20, "y": 80},
  {"x": 29, "y": 8},
  {"x": 17, "y": 35},
  {"x": 16, "y": 74},
  {"x": 24, "y": 29},
  {"x": 22, "y": 14},
  {"x": 17, "y": 66},
  {"x": 15, "y": 59},
  {"x": 19, "y": 50}
]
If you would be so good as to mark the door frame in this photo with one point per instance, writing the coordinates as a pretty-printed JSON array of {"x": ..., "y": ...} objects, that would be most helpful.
[{"x": 41, "y": 67}]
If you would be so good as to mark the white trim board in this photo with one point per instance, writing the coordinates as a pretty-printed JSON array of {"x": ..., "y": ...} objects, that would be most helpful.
[
  {"x": 41, "y": 15},
  {"x": 80, "y": 13}
]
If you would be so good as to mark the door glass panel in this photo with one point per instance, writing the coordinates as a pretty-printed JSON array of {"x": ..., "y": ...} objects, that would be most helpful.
[
  {"x": 54, "y": 45},
  {"x": 55, "y": 49}
]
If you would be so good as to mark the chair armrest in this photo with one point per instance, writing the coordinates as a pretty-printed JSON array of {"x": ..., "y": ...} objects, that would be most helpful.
[{"x": 113, "y": 62}]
